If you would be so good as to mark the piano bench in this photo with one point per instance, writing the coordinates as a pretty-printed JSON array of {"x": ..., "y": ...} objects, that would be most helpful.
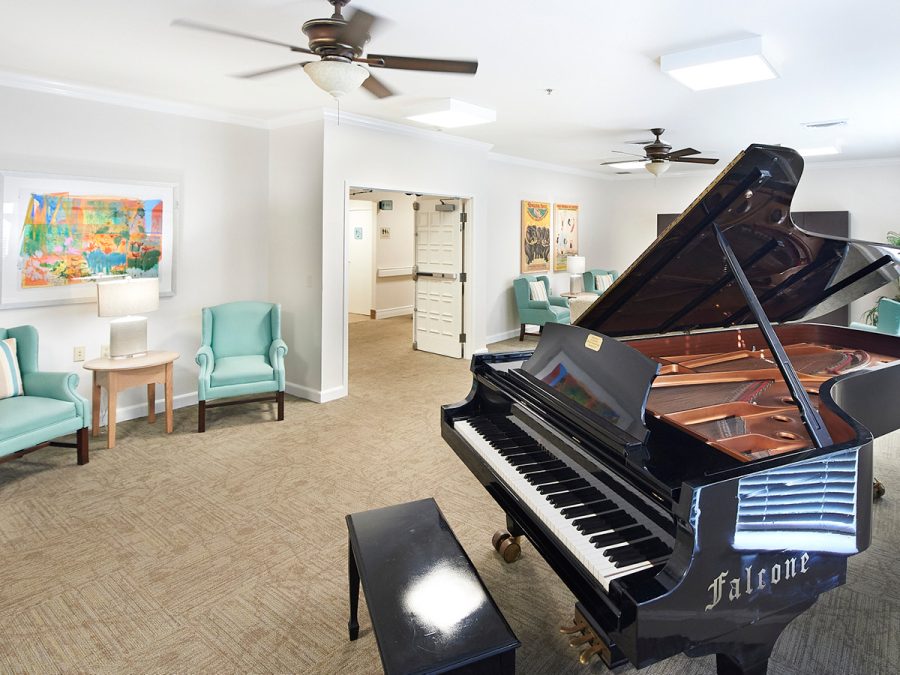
[{"x": 430, "y": 611}]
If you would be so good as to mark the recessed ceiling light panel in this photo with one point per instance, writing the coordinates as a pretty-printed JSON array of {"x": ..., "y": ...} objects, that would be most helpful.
[
  {"x": 719, "y": 65},
  {"x": 448, "y": 113}
]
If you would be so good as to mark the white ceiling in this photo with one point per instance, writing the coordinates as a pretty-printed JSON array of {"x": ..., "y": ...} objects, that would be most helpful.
[{"x": 836, "y": 60}]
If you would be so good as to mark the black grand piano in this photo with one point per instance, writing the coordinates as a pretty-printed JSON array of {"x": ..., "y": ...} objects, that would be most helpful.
[{"x": 692, "y": 460}]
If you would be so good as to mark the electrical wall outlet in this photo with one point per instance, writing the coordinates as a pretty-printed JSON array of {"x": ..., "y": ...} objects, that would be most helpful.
[
  {"x": 78, "y": 354},
  {"x": 104, "y": 351}
]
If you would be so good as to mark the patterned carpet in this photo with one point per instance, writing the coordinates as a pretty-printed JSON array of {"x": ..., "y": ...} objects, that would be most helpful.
[{"x": 226, "y": 552}]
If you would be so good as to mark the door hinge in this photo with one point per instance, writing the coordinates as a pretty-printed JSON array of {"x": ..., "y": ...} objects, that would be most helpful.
[
  {"x": 415, "y": 206},
  {"x": 415, "y": 346},
  {"x": 463, "y": 217},
  {"x": 462, "y": 338},
  {"x": 462, "y": 277}
]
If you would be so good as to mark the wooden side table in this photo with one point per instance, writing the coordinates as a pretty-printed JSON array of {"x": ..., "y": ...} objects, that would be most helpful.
[{"x": 118, "y": 374}]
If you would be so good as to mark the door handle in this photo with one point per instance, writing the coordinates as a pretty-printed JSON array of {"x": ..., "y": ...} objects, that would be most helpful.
[{"x": 449, "y": 276}]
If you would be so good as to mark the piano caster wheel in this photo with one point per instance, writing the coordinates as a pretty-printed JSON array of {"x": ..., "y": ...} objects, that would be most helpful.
[
  {"x": 506, "y": 545},
  {"x": 877, "y": 490}
]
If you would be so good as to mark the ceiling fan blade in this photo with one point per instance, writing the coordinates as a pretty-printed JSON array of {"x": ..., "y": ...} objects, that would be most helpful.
[
  {"x": 375, "y": 86},
  {"x": 683, "y": 152},
  {"x": 269, "y": 71},
  {"x": 639, "y": 142},
  {"x": 356, "y": 32},
  {"x": 633, "y": 154},
  {"x": 415, "y": 63},
  {"x": 694, "y": 160},
  {"x": 195, "y": 25},
  {"x": 622, "y": 161}
]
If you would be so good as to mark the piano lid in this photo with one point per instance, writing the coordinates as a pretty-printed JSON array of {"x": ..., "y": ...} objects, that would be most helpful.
[{"x": 681, "y": 282}]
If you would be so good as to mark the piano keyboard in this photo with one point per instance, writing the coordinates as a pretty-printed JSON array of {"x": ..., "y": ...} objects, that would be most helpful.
[{"x": 608, "y": 536}]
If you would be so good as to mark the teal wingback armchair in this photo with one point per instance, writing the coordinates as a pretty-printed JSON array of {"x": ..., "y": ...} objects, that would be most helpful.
[
  {"x": 50, "y": 407},
  {"x": 888, "y": 318},
  {"x": 242, "y": 353},
  {"x": 590, "y": 280},
  {"x": 554, "y": 309}
]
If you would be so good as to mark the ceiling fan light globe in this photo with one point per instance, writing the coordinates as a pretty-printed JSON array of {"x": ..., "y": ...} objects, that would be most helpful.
[
  {"x": 657, "y": 167},
  {"x": 336, "y": 77}
]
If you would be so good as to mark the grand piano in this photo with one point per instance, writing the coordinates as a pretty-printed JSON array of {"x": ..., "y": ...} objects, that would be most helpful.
[{"x": 691, "y": 458}]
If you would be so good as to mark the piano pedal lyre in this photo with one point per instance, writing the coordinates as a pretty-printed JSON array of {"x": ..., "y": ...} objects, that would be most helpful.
[
  {"x": 506, "y": 545},
  {"x": 586, "y": 638}
]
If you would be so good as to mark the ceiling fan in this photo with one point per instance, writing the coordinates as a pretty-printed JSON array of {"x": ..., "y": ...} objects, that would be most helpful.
[
  {"x": 339, "y": 43},
  {"x": 658, "y": 154}
]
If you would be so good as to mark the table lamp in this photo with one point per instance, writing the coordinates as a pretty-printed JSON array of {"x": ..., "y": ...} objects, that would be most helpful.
[
  {"x": 124, "y": 298},
  {"x": 575, "y": 265}
]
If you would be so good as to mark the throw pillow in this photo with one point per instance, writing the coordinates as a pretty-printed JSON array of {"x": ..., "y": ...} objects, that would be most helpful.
[
  {"x": 10, "y": 377},
  {"x": 603, "y": 281},
  {"x": 537, "y": 290}
]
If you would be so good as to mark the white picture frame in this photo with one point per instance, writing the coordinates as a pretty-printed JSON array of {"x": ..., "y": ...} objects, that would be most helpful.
[{"x": 17, "y": 188}]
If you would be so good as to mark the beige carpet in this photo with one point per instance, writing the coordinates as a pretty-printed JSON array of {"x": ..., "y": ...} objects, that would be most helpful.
[{"x": 226, "y": 552}]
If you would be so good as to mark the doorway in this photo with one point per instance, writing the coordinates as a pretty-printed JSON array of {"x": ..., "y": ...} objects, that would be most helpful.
[{"x": 406, "y": 258}]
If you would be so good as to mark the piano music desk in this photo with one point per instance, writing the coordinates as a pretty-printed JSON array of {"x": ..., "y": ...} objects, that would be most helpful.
[{"x": 430, "y": 611}]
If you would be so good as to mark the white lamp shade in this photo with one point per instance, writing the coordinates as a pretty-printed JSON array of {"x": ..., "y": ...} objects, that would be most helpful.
[
  {"x": 336, "y": 77},
  {"x": 575, "y": 264},
  {"x": 127, "y": 296},
  {"x": 657, "y": 168}
]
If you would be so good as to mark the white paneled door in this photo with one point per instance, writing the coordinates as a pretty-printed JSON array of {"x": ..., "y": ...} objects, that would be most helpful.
[{"x": 438, "y": 315}]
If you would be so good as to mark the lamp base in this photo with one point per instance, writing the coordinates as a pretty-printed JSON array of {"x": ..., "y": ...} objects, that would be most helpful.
[
  {"x": 576, "y": 283},
  {"x": 128, "y": 337}
]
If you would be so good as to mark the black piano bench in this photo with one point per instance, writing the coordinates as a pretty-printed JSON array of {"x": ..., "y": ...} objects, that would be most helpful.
[{"x": 430, "y": 611}]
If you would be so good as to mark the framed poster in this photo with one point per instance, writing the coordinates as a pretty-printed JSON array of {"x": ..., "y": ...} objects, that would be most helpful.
[
  {"x": 535, "y": 246},
  {"x": 565, "y": 220},
  {"x": 62, "y": 233}
]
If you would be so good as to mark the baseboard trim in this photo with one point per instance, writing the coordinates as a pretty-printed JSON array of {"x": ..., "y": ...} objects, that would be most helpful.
[
  {"x": 506, "y": 335},
  {"x": 389, "y": 312},
  {"x": 315, "y": 395},
  {"x": 137, "y": 410}
]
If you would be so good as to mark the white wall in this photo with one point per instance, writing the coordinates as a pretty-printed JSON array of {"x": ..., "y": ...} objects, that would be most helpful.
[
  {"x": 865, "y": 189},
  {"x": 395, "y": 295},
  {"x": 221, "y": 236},
  {"x": 294, "y": 259}
]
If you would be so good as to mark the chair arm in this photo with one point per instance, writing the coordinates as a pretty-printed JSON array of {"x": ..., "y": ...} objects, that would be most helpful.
[
  {"x": 277, "y": 351},
  {"x": 61, "y": 386},
  {"x": 559, "y": 301},
  {"x": 206, "y": 360},
  {"x": 538, "y": 304}
]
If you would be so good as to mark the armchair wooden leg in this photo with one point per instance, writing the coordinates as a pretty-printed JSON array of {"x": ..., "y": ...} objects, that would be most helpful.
[
  {"x": 81, "y": 445},
  {"x": 201, "y": 417},
  {"x": 522, "y": 332},
  {"x": 279, "y": 398}
]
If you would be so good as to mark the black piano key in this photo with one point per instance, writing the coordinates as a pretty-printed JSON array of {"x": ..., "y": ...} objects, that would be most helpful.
[
  {"x": 632, "y": 558},
  {"x": 585, "y": 496},
  {"x": 632, "y": 533},
  {"x": 542, "y": 465},
  {"x": 527, "y": 458},
  {"x": 553, "y": 488},
  {"x": 519, "y": 450},
  {"x": 553, "y": 476},
  {"x": 593, "y": 509},
  {"x": 632, "y": 553},
  {"x": 608, "y": 521}
]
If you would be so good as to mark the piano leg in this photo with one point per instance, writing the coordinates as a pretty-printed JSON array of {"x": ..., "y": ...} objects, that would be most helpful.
[
  {"x": 727, "y": 665},
  {"x": 514, "y": 528}
]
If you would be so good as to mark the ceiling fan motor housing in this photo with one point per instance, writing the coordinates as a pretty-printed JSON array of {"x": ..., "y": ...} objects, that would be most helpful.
[{"x": 324, "y": 39}]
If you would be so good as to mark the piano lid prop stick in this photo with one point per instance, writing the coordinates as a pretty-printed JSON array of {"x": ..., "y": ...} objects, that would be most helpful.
[{"x": 811, "y": 419}]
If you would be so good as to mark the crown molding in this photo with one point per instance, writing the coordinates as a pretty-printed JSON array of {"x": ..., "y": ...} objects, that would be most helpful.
[
  {"x": 403, "y": 130},
  {"x": 111, "y": 97},
  {"x": 546, "y": 166},
  {"x": 302, "y": 117}
]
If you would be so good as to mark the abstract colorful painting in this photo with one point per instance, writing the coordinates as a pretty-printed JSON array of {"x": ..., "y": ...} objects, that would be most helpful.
[
  {"x": 68, "y": 239},
  {"x": 566, "y": 227},
  {"x": 60, "y": 233},
  {"x": 535, "y": 247}
]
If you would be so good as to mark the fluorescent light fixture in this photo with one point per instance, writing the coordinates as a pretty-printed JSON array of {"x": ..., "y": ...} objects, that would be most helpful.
[
  {"x": 820, "y": 151},
  {"x": 719, "y": 65},
  {"x": 448, "y": 113},
  {"x": 627, "y": 166}
]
